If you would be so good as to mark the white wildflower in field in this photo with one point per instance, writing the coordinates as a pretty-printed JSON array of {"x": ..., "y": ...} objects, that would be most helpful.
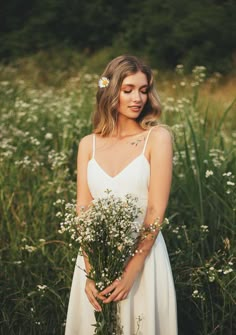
[
  {"x": 211, "y": 274},
  {"x": 29, "y": 248},
  {"x": 57, "y": 159},
  {"x": 41, "y": 287},
  {"x": 195, "y": 293},
  {"x": 198, "y": 295},
  {"x": 179, "y": 69},
  {"x": 227, "y": 174},
  {"x": 204, "y": 228},
  {"x": 199, "y": 74},
  {"x": 48, "y": 136},
  {"x": 208, "y": 173}
]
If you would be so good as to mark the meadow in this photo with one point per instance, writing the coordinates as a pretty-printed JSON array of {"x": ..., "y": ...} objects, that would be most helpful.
[{"x": 43, "y": 116}]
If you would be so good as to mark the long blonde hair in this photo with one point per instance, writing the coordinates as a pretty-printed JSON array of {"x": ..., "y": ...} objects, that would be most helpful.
[{"x": 105, "y": 115}]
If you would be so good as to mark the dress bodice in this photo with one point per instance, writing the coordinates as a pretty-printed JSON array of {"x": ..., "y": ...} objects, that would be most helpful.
[{"x": 133, "y": 178}]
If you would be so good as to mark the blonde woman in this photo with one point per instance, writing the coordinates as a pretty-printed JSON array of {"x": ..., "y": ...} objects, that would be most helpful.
[{"x": 128, "y": 152}]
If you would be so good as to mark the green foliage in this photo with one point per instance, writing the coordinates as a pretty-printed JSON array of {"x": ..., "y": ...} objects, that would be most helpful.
[
  {"x": 39, "y": 133},
  {"x": 167, "y": 32},
  {"x": 187, "y": 32}
]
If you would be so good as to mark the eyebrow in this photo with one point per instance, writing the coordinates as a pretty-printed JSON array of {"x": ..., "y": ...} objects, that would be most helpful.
[{"x": 131, "y": 85}]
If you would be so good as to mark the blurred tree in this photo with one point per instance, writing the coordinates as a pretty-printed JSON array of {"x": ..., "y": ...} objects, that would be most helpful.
[
  {"x": 167, "y": 32},
  {"x": 170, "y": 32}
]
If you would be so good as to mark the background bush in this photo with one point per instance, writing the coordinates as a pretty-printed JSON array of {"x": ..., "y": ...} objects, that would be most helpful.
[{"x": 166, "y": 32}]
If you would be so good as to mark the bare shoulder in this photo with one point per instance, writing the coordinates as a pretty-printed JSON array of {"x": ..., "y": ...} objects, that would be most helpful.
[
  {"x": 161, "y": 134},
  {"x": 86, "y": 140},
  {"x": 85, "y": 145}
]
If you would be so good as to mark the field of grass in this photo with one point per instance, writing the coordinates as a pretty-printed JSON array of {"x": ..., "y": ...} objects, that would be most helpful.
[{"x": 43, "y": 115}]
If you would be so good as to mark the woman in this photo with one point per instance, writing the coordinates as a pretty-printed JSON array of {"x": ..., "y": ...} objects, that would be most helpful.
[{"x": 128, "y": 153}]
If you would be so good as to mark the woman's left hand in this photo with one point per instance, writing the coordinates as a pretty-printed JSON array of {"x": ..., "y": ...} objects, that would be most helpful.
[{"x": 119, "y": 289}]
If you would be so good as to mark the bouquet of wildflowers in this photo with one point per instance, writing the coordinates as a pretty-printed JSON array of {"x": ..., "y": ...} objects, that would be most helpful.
[{"x": 107, "y": 232}]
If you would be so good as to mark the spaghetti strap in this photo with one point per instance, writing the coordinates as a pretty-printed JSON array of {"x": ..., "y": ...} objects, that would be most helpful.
[
  {"x": 94, "y": 145},
  {"x": 145, "y": 144}
]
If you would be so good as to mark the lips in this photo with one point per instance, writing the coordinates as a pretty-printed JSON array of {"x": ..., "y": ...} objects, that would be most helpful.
[{"x": 135, "y": 108}]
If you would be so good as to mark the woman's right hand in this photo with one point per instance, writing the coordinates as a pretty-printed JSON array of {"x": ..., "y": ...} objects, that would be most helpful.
[{"x": 92, "y": 293}]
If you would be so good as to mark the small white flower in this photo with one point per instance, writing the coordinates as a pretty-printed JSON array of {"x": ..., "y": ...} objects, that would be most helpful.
[
  {"x": 29, "y": 248},
  {"x": 48, "y": 136},
  {"x": 103, "y": 82},
  {"x": 204, "y": 228},
  {"x": 225, "y": 272},
  {"x": 208, "y": 173},
  {"x": 41, "y": 287}
]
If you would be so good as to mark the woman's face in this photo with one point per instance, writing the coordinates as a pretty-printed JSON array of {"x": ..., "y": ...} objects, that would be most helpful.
[{"x": 133, "y": 95}]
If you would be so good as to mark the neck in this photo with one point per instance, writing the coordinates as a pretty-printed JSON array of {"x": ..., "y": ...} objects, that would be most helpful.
[{"x": 127, "y": 127}]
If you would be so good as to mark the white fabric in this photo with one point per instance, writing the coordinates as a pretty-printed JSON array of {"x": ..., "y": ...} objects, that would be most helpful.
[{"x": 152, "y": 297}]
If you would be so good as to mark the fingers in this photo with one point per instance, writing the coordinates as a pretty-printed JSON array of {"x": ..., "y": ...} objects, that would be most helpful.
[
  {"x": 114, "y": 292},
  {"x": 117, "y": 292},
  {"x": 92, "y": 295},
  {"x": 108, "y": 289}
]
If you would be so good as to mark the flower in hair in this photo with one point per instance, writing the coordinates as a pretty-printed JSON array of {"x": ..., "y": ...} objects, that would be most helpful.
[{"x": 103, "y": 82}]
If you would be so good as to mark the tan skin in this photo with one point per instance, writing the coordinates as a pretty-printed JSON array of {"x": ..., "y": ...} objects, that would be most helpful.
[{"x": 133, "y": 96}]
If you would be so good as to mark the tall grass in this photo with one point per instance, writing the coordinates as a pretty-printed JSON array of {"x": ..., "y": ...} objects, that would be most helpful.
[{"x": 39, "y": 133}]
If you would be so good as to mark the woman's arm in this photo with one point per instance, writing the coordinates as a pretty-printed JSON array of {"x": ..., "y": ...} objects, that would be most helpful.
[
  {"x": 84, "y": 198},
  {"x": 160, "y": 157}
]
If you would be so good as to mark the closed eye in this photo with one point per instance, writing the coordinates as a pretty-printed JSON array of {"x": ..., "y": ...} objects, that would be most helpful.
[{"x": 129, "y": 91}]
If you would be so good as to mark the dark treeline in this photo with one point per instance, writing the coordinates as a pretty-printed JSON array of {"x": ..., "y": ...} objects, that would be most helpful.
[{"x": 168, "y": 32}]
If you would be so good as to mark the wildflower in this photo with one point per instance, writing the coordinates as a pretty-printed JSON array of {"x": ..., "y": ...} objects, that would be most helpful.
[
  {"x": 230, "y": 183},
  {"x": 29, "y": 248},
  {"x": 59, "y": 214},
  {"x": 103, "y": 82},
  {"x": 225, "y": 272},
  {"x": 208, "y": 173},
  {"x": 179, "y": 69},
  {"x": 41, "y": 287},
  {"x": 195, "y": 293},
  {"x": 227, "y": 174},
  {"x": 48, "y": 136},
  {"x": 204, "y": 228},
  {"x": 198, "y": 295}
]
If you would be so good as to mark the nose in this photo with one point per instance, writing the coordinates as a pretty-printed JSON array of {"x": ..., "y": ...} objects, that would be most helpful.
[{"x": 136, "y": 96}]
